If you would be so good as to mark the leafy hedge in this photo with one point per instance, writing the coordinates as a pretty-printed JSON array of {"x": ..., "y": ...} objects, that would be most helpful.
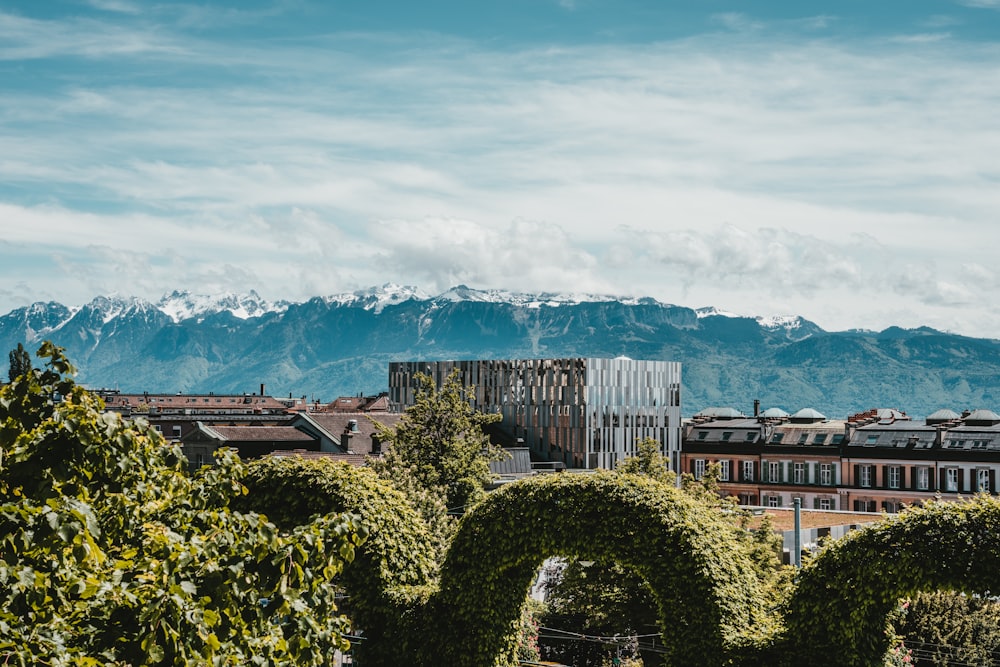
[
  {"x": 838, "y": 611},
  {"x": 388, "y": 580},
  {"x": 707, "y": 591}
]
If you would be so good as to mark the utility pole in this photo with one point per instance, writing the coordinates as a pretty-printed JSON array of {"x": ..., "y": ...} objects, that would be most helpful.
[{"x": 797, "y": 557}]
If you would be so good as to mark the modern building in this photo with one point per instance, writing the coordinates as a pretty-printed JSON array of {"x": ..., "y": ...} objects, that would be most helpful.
[{"x": 583, "y": 412}]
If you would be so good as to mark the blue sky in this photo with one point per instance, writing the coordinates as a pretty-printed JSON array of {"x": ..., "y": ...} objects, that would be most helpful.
[{"x": 836, "y": 160}]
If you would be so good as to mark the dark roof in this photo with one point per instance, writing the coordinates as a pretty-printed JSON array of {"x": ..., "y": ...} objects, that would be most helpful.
[
  {"x": 357, "y": 460},
  {"x": 260, "y": 433},
  {"x": 335, "y": 423}
]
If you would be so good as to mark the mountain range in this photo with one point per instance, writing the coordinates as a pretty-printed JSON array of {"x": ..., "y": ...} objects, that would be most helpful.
[{"x": 341, "y": 345}]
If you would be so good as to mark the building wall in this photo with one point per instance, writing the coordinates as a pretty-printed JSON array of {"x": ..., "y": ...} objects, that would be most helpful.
[{"x": 583, "y": 412}]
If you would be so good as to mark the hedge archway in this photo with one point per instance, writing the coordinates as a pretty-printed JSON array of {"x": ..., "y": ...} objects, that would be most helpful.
[
  {"x": 844, "y": 595},
  {"x": 393, "y": 569},
  {"x": 707, "y": 590}
]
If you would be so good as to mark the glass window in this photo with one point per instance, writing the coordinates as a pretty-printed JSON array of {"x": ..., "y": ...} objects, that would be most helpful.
[
  {"x": 819, "y": 439},
  {"x": 702, "y": 435},
  {"x": 799, "y": 472},
  {"x": 748, "y": 471},
  {"x": 774, "y": 501},
  {"x": 825, "y": 504},
  {"x": 983, "y": 480},
  {"x": 773, "y": 472},
  {"x": 726, "y": 435},
  {"x": 776, "y": 438},
  {"x": 699, "y": 468},
  {"x": 923, "y": 479},
  {"x": 871, "y": 440},
  {"x": 826, "y": 474},
  {"x": 893, "y": 477},
  {"x": 837, "y": 439},
  {"x": 803, "y": 438},
  {"x": 751, "y": 436},
  {"x": 724, "y": 471},
  {"x": 865, "y": 475},
  {"x": 951, "y": 479}
]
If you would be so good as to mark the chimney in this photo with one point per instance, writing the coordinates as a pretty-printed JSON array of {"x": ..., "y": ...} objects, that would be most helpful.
[
  {"x": 261, "y": 388},
  {"x": 347, "y": 436},
  {"x": 756, "y": 407}
]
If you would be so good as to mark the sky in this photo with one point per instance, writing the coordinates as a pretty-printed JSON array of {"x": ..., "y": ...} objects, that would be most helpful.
[{"x": 834, "y": 160}]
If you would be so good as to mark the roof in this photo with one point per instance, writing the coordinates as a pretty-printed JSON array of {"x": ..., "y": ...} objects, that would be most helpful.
[
  {"x": 773, "y": 413},
  {"x": 942, "y": 415},
  {"x": 720, "y": 413},
  {"x": 809, "y": 414},
  {"x": 335, "y": 423},
  {"x": 982, "y": 418},
  {"x": 259, "y": 434},
  {"x": 356, "y": 460}
]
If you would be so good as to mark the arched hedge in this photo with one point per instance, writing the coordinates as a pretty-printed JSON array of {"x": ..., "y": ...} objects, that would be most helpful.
[
  {"x": 707, "y": 590},
  {"x": 837, "y": 613},
  {"x": 392, "y": 570}
]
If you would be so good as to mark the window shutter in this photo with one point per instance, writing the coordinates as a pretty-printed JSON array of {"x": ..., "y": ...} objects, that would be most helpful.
[
  {"x": 902, "y": 477},
  {"x": 786, "y": 476},
  {"x": 961, "y": 479},
  {"x": 993, "y": 480},
  {"x": 857, "y": 475},
  {"x": 763, "y": 470},
  {"x": 942, "y": 477},
  {"x": 692, "y": 466},
  {"x": 816, "y": 503},
  {"x": 811, "y": 479}
]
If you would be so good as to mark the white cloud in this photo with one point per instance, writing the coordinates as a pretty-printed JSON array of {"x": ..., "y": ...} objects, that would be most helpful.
[{"x": 709, "y": 168}]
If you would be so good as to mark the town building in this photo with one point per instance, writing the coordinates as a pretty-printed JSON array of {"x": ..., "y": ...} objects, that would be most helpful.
[
  {"x": 879, "y": 460},
  {"x": 585, "y": 413}
]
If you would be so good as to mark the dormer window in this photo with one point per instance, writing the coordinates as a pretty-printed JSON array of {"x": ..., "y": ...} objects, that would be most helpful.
[
  {"x": 819, "y": 439},
  {"x": 702, "y": 435},
  {"x": 871, "y": 440},
  {"x": 726, "y": 435}
]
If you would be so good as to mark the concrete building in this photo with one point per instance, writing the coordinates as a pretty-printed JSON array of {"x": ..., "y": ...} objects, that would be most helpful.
[{"x": 583, "y": 412}]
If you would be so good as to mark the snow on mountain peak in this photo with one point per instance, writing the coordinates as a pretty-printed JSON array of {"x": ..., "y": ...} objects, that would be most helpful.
[
  {"x": 712, "y": 311},
  {"x": 183, "y": 305},
  {"x": 786, "y": 322},
  {"x": 377, "y": 298}
]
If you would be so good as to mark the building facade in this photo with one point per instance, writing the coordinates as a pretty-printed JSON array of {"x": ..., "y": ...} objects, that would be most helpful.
[
  {"x": 874, "y": 461},
  {"x": 583, "y": 412}
]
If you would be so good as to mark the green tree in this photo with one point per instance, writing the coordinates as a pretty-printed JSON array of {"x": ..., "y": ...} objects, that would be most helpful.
[
  {"x": 20, "y": 362},
  {"x": 439, "y": 445},
  {"x": 944, "y": 628},
  {"x": 648, "y": 461},
  {"x": 112, "y": 554}
]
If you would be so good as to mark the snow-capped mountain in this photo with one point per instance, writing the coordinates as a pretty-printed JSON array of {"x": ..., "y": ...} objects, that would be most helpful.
[
  {"x": 179, "y": 306},
  {"x": 341, "y": 344}
]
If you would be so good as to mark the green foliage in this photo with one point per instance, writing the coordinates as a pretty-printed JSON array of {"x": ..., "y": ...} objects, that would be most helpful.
[
  {"x": 705, "y": 587},
  {"x": 648, "y": 461},
  {"x": 845, "y": 594},
  {"x": 397, "y": 558},
  {"x": 942, "y": 628},
  {"x": 111, "y": 554},
  {"x": 20, "y": 362},
  {"x": 439, "y": 443}
]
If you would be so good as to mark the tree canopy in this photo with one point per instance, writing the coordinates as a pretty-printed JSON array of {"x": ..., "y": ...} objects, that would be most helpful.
[
  {"x": 20, "y": 362},
  {"x": 112, "y": 554}
]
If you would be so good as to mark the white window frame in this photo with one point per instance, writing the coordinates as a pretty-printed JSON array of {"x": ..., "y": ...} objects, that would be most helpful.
[
  {"x": 748, "y": 471},
  {"x": 724, "y": 470},
  {"x": 951, "y": 480},
  {"x": 774, "y": 472},
  {"x": 699, "y": 468},
  {"x": 865, "y": 476},
  {"x": 798, "y": 473},
  {"x": 892, "y": 476},
  {"x": 983, "y": 480},
  {"x": 923, "y": 481},
  {"x": 825, "y": 504},
  {"x": 826, "y": 474},
  {"x": 774, "y": 501}
]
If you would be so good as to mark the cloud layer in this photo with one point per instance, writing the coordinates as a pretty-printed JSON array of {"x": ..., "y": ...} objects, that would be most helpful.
[{"x": 761, "y": 170}]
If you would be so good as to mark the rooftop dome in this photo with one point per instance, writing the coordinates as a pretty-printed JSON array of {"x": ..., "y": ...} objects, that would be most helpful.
[
  {"x": 808, "y": 415},
  {"x": 983, "y": 418},
  {"x": 772, "y": 413},
  {"x": 941, "y": 416}
]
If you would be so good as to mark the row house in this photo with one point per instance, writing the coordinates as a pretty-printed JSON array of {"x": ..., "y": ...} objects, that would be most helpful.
[
  {"x": 875, "y": 461},
  {"x": 769, "y": 459}
]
